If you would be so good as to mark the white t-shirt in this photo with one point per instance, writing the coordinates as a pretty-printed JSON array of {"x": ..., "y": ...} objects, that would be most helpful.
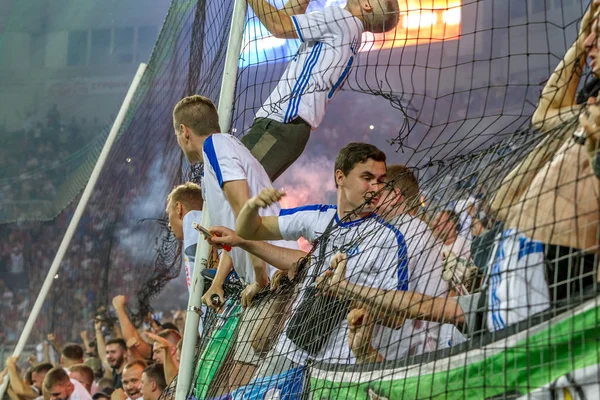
[
  {"x": 79, "y": 393},
  {"x": 190, "y": 242},
  {"x": 227, "y": 159},
  {"x": 330, "y": 41},
  {"x": 377, "y": 258},
  {"x": 425, "y": 276}
]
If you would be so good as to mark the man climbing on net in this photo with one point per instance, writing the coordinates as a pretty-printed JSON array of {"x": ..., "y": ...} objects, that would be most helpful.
[{"x": 330, "y": 40}]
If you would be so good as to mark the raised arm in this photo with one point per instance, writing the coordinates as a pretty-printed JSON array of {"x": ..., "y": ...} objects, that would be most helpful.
[
  {"x": 278, "y": 22},
  {"x": 295, "y": 7},
  {"x": 22, "y": 390},
  {"x": 132, "y": 337},
  {"x": 518, "y": 180},
  {"x": 251, "y": 226},
  {"x": 557, "y": 102},
  {"x": 101, "y": 343},
  {"x": 161, "y": 344}
]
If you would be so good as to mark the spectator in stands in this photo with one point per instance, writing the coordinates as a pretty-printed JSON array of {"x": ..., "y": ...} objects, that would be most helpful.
[
  {"x": 59, "y": 386},
  {"x": 459, "y": 271},
  {"x": 116, "y": 356},
  {"x": 559, "y": 240},
  {"x": 82, "y": 374},
  {"x": 132, "y": 379},
  {"x": 18, "y": 385},
  {"x": 153, "y": 382},
  {"x": 517, "y": 287},
  {"x": 399, "y": 204},
  {"x": 184, "y": 207},
  {"x": 96, "y": 365},
  {"x": 359, "y": 174},
  {"x": 330, "y": 40},
  {"x": 231, "y": 176},
  {"x": 71, "y": 354},
  {"x": 38, "y": 373},
  {"x": 172, "y": 337}
]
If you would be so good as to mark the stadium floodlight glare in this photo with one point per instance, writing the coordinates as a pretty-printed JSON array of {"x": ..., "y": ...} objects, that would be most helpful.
[
  {"x": 452, "y": 16},
  {"x": 419, "y": 19}
]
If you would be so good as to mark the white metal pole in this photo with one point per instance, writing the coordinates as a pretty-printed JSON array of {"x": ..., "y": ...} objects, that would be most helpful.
[
  {"x": 234, "y": 46},
  {"x": 89, "y": 188},
  {"x": 194, "y": 311}
]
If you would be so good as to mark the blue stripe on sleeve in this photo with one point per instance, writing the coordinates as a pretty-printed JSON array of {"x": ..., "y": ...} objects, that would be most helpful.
[
  {"x": 310, "y": 207},
  {"x": 209, "y": 149},
  {"x": 298, "y": 29},
  {"x": 527, "y": 247}
]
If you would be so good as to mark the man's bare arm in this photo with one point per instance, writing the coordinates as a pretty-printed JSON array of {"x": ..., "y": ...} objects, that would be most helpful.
[
  {"x": 390, "y": 307},
  {"x": 519, "y": 179},
  {"x": 295, "y": 7},
  {"x": 279, "y": 257},
  {"x": 251, "y": 226},
  {"x": 557, "y": 102},
  {"x": 130, "y": 333},
  {"x": 278, "y": 22}
]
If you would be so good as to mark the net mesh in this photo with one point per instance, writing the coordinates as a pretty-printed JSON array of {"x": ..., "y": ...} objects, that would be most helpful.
[{"x": 450, "y": 93}]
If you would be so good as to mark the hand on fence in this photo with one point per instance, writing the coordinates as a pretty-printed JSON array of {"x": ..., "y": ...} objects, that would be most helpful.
[
  {"x": 249, "y": 292},
  {"x": 331, "y": 280},
  {"x": 360, "y": 332},
  {"x": 214, "y": 290},
  {"x": 587, "y": 20}
]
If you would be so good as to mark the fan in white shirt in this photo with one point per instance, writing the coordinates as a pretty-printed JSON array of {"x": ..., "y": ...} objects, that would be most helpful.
[
  {"x": 59, "y": 386},
  {"x": 330, "y": 41},
  {"x": 231, "y": 175}
]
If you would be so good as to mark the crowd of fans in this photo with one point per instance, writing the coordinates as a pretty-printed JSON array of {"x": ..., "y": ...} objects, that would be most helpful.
[
  {"x": 105, "y": 367},
  {"x": 40, "y": 152},
  {"x": 389, "y": 279}
]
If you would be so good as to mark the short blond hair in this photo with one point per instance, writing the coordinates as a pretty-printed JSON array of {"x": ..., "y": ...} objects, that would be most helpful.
[
  {"x": 189, "y": 195},
  {"x": 384, "y": 17},
  {"x": 198, "y": 113},
  {"x": 86, "y": 372},
  {"x": 405, "y": 180},
  {"x": 56, "y": 376}
]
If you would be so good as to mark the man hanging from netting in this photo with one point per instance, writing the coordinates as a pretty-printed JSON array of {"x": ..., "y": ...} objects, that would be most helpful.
[
  {"x": 549, "y": 205},
  {"x": 330, "y": 40},
  {"x": 231, "y": 176}
]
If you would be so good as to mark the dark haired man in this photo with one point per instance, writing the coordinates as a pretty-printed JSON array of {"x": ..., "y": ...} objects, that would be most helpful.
[{"x": 376, "y": 250}]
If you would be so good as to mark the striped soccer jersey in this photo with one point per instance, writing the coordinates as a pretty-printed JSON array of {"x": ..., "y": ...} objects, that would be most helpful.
[{"x": 330, "y": 41}]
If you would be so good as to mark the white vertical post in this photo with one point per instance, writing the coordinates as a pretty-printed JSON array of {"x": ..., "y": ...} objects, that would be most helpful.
[
  {"x": 234, "y": 46},
  {"x": 193, "y": 314},
  {"x": 87, "y": 193}
]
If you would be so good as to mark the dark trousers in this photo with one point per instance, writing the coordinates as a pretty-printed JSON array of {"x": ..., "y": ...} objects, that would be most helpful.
[{"x": 276, "y": 145}]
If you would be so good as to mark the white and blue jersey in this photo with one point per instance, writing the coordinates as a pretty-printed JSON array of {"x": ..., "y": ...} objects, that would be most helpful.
[
  {"x": 330, "y": 42},
  {"x": 517, "y": 287},
  {"x": 226, "y": 159},
  {"x": 377, "y": 257}
]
